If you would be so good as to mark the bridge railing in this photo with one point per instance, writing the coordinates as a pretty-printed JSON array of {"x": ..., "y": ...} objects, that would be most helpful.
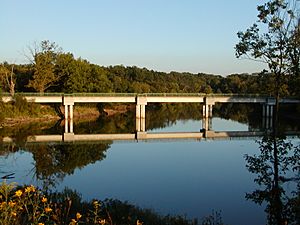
[
  {"x": 91, "y": 94},
  {"x": 33, "y": 94},
  {"x": 112, "y": 94}
]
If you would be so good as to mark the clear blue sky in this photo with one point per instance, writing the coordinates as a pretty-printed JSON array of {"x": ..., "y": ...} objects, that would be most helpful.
[{"x": 164, "y": 35}]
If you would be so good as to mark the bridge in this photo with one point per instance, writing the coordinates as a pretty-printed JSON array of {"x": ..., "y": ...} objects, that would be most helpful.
[{"x": 141, "y": 100}]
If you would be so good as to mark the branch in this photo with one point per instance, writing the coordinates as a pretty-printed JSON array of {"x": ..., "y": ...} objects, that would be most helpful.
[{"x": 247, "y": 57}]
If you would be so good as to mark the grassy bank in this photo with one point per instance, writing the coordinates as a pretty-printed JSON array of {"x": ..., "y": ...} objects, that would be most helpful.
[{"x": 20, "y": 111}]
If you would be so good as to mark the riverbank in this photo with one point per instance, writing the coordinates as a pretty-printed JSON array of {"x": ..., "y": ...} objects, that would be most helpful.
[
  {"x": 11, "y": 122},
  {"x": 48, "y": 114}
]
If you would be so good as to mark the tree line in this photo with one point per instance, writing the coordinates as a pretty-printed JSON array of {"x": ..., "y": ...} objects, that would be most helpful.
[{"x": 61, "y": 72}]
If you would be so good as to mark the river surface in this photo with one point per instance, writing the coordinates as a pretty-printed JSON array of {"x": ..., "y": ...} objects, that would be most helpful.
[{"x": 187, "y": 177}]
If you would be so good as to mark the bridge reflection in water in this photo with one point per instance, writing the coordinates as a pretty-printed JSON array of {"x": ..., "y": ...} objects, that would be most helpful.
[
  {"x": 205, "y": 133},
  {"x": 144, "y": 136}
]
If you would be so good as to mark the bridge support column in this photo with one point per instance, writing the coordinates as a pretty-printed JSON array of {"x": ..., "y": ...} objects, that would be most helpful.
[
  {"x": 207, "y": 110},
  {"x": 208, "y": 104},
  {"x": 140, "y": 113},
  {"x": 267, "y": 113},
  {"x": 71, "y": 111},
  {"x": 68, "y": 103}
]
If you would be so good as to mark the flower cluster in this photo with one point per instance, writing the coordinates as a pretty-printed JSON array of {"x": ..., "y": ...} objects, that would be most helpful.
[{"x": 28, "y": 205}]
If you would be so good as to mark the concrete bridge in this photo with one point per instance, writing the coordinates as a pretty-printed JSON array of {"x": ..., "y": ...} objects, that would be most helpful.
[{"x": 141, "y": 100}]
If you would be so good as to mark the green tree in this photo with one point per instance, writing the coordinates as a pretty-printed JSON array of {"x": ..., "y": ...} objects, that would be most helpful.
[
  {"x": 44, "y": 60},
  {"x": 63, "y": 68},
  {"x": 269, "y": 40}
]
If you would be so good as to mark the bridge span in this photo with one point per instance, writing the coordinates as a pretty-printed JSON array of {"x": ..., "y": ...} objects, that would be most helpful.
[{"x": 141, "y": 100}]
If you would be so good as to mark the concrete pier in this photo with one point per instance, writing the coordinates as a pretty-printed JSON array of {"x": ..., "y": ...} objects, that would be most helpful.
[
  {"x": 208, "y": 103},
  {"x": 267, "y": 113},
  {"x": 140, "y": 113}
]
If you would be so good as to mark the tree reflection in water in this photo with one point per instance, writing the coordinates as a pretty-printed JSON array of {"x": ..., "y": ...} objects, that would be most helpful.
[
  {"x": 54, "y": 162},
  {"x": 276, "y": 166}
]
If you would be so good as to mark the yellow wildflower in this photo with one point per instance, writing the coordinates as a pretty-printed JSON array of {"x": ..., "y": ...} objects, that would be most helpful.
[
  {"x": 18, "y": 193},
  {"x": 102, "y": 222},
  {"x": 11, "y": 203},
  {"x": 29, "y": 189},
  {"x": 73, "y": 221},
  {"x": 3, "y": 204},
  {"x": 47, "y": 209},
  {"x": 78, "y": 216},
  {"x": 41, "y": 224},
  {"x": 44, "y": 200},
  {"x": 139, "y": 223},
  {"x": 14, "y": 214}
]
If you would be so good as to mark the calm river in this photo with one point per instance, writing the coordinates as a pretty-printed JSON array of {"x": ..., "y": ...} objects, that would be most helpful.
[{"x": 175, "y": 176}]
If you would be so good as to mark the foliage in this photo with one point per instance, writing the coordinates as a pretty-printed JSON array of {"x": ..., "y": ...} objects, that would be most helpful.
[
  {"x": 70, "y": 75},
  {"x": 19, "y": 107},
  {"x": 44, "y": 59},
  {"x": 7, "y": 78},
  {"x": 23, "y": 205},
  {"x": 29, "y": 205},
  {"x": 272, "y": 40}
]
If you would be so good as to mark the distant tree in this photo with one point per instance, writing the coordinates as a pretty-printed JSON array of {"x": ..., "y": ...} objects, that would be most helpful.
[
  {"x": 8, "y": 77},
  {"x": 44, "y": 58},
  {"x": 272, "y": 40}
]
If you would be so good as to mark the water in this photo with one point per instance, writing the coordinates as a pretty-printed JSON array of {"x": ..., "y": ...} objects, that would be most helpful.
[{"x": 177, "y": 177}]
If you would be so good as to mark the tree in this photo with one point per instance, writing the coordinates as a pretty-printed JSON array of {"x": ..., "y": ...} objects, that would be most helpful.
[
  {"x": 8, "y": 78},
  {"x": 273, "y": 39},
  {"x": 44, "y": 60},
  {"x": 294, "y": 47}
]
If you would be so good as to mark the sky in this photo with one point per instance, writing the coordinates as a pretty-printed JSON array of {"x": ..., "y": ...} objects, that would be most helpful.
[{"x": 164, "y": 35}]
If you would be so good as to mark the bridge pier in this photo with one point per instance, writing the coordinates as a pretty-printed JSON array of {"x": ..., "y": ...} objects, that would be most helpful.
[
  {"x": 268, "y": 110},
  {"x": 140, "y": 114},
  {"x": 207, "y": 108},
  {"x": 207, "y": 113},
  {"x": 68, "y": 102},
  {"x": 267, "y": 113}
]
